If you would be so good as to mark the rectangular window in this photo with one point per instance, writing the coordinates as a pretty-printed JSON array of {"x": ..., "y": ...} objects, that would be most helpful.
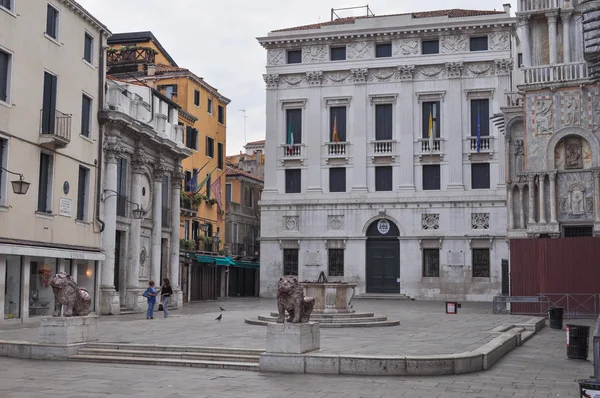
[
  {"x": 383, "y": 122},
  {"x": 121, "y": 186},
  {"x": 6, "y": 4},
  {"x": 52, "y": 22},
  {"x": 208, "y": 185},
  {"x": 383, "y": 50},
  {"x": 290, "y": 262},
  {"x": 337, "y": 124},
  {"x": 191, "y": 138},
  {"x": 383, "y": 178},
  {"x": 88, "y": 47},
  {"x": 49, "y": 103},
  {"x": 220, "y": 155},
  {"x": 45, "y": 184},
  {"x": 3, "y": 174},
  {"x": 186, "y": 229},
  {"x": 293, "y": 132},
  {"x": 430, "y": 47},
  {"x": 83, "y": 190},
  {"x": 188, "y": 177},
  {"x": 578, "y": 232},
  {"x": 209, "y": 105},
  {"x": 5, "y": 63},
  {"x": 337, "y": 179},
  {"x": 431, "y": 263},
  {"x": 481, "y": 263},
  {"x": 196, "y": 97},
  {"x": 478, "y": 43},
  {"x": 293, "y": 180},
  {"x": 228, "y": 193},
  {"x": 335, "y": 262},
  {"x": 338, "y": 53},
  {"x": 170, "y": 91},
  {"x": 520, "y": 60},
  {"x": 86, "y": 116},
  {"x": 294, "y": 56},
  {"x": 431, "y": 116},
  {"x": 480, "y": 176},
  {"x": 480, "y": 117},
  {"x": 165, "y": 201},
  {"x": 221, "y": 114},
  {"x": 210, "y": 147},
  {"x": 431, "y": 177},
  {"x": 248, "y": 196}
]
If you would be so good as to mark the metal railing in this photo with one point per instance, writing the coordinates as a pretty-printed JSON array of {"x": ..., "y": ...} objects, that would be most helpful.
[
  {"x": 555, "y": 73},
  {"x": 56, "y": 123},
  {"x": 576, "y": 305}
]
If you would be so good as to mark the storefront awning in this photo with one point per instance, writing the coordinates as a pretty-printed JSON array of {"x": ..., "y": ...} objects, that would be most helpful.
[
  {"x": 201, "y": 258},
  {"x": 224, "y": 261},
  {"x": 246, "y": 264},
  {"x": 221, "y": 261}
]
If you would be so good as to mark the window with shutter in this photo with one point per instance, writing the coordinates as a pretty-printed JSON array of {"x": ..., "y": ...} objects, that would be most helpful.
[
  {"x": 210, "y": 147},
  {"x": 208, "y": 186},
  {"x": 49, "y": 103},
  {"x": 337, "y": 117},
  {"x": 383, "y": 178},
  {"x": 121, "y": 187},
  {"x": 337, "y": 179},
  {"x": 480, "y": 109},
  {"x": 220, "y": 155},
  {"x": 5, "y": 59},
  {"x": 431, "y": 110},
  {"x": 480, "y": 176},
  {"x": 188, "y": 177},
  {"x": 52, "y": 22},
  {"x": 86, "y": 115},
  {"x": 196, "y": 97},
  {"x": 82, "y": 193},
  {"x": 44, "y": 202},
  {"x": 293, "y": 180},
  {"x": 383, "y": 122},
  {"x": 431, "y": 177},
  {"x": 88, "y": 46}
]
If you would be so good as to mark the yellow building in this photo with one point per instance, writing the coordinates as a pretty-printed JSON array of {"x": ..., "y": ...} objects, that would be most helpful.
[{"x": 203, "y": 114}]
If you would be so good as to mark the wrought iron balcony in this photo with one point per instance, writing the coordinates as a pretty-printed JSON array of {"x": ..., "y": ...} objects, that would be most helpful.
[
  {"x": 55, "y": 128},
  {"x": 557, "y": 73}
]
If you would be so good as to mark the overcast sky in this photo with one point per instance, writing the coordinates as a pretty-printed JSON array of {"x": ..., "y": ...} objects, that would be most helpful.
[{"x": 217, "y": 40}]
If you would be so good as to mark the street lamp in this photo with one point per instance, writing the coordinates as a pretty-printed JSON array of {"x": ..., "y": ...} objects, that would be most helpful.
[
  {"x": 217, "y": 241},
  {"x": 138, "y": 213},
  {"x": 204, "y": 227},
  {"x": 19, "y": 186}
]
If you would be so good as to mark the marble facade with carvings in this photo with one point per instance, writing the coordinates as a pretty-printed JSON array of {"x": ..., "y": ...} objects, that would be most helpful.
[{"x": 454, "y": 219}]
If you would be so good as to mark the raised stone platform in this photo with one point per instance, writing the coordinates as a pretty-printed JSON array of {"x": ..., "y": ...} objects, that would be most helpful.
[
  {"x": 293, "y": 338},
  {"x": 342, "y": 320},
  {"x": 71, "y": 330}
]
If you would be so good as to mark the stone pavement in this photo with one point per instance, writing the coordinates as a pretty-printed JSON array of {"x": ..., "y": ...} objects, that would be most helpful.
[
  {"x": 424, "y": 329},
  {"x": 539, "y": 368}
]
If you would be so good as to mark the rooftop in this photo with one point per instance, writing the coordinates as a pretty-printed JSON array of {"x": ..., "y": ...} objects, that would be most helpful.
[
  {"x": 235, "y": 172},
  {"x": 260, "y": 142},
  {"x": 161, "y": 70},
  {"x": 136, "y": 37}
]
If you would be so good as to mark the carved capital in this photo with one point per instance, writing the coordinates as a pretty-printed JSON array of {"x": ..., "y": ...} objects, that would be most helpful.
[
  {"x": 176, "y": 179},
  {"x": 160, "y": 171},
  {"x": 314, "y": 78},
  {"x": 552, "y": 176},
  {"x": 271, "y": 81},
  {"x": 138, "y": 162},
  {"x": 406, "y": 72},
  {"x": 359, "y": 75},
  {"x": 552, "y": 17},
  {"x": 454, "y": 69},
  {"x": 113, "y": 151},
  {"x": 523, "y": 21},
  {"x": 530, "y": 178},
  {"x": 566, "y": 14},
  {"x": 503, "y": 66}
]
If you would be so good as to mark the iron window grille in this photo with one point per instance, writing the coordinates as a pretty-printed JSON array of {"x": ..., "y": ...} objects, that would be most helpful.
[
  {"x": 578, "y": 232},
  {"x": 431, "y": 263},
  {"x": 481, "y": 263},
  {"x": 290, "y": 262},
  {"x": 335, "y": 262}
]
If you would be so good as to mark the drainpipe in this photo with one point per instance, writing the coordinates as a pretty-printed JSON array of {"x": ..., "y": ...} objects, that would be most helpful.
[{"x": 101, "y": 89}]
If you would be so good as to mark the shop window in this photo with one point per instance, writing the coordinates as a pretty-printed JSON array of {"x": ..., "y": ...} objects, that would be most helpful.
[
  {"x": 86, "y": 279},
  {"x": 12, "y": 290},
  {"x": 41, "y": 297}
]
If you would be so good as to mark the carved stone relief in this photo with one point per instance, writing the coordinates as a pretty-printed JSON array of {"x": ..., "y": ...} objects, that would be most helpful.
[
  {"x": 544, "y": 116},
  {"x": 382, "y": 75},
  {"x": 291, "y": 80},
  {"x": 499, "y": 41},
  {"x": 362, "y": 50},
  {"x": 454, "y": 69},
  {"x": 335, "y": 223},
  {"x": 479, "y": 69},
  {"x": 519, "y": 160},
  {"x": 405, "y": 72},
  {"x": 454, "y": 44},
  {"x": 316, "y": 53},
  {"x": 405, "y": 47},
  {"x": 571, "y": 110},
  {"x": 430, "y": 221},
  {"x": 314, "y": 78},
  {"x": 338, "y": 77},
  {"x": 573, "y": 153},
  {"x": 480, "y": 221},
  {"x": 575, "y": 192},
  {"x": 359, "y": 75},
  {"x": 276, "y": 56},
  {"x": 596, "y": 110},
  {"x": 290, "y": 223},
  {"x": 431, "y": 72},
  {"x": 576, "y": 199},
  {"x": 503, "y": 66}
]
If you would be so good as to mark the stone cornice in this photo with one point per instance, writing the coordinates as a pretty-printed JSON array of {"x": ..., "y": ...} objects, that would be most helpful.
[{"x": 86, "y": 16}]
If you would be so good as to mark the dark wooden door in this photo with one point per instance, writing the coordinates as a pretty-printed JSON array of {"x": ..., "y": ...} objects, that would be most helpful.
[
  {"x": 118, "y": 239},
  {"x": 383, "y": 266}
]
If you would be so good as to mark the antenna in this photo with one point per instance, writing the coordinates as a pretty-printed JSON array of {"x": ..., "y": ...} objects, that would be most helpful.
[
  {"x": 334, "y": 14},
  {"x": 245, "y": 117}
]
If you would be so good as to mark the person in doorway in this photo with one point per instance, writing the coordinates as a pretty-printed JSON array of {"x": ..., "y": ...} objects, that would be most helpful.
[
  {"x": 150, "y": 293},
  {"x": 165, "y": 292}
]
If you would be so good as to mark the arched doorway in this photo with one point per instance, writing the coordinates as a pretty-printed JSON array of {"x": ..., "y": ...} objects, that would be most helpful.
[{"x": 383, "y": 257}]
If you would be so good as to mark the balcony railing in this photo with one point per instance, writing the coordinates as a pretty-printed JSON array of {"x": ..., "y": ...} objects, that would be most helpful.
[
  {"x": 384, "y": 147},
  {"x": 245, "y": 249},
  {"x": 514, "y": 99},
  {"x": 337, "y": 149},
  {"x": 293, "y": 151},
  {"x": 55, "y": 127},
  {"x": 130, "y": 56},
  {"x": 485, "y": 144},
  {"x": 433, "y": 147},
  {"x": 555, "y": 73},
  {"x": 536, "y": 5}
]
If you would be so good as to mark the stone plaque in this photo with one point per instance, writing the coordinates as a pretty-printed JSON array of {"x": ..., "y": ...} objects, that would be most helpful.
[
  {"x": 64, "y": 207},
  {"x": 383, "y": 226},
  {"x": 313, "y": 258},
  {"x": 456, "y": 259}
]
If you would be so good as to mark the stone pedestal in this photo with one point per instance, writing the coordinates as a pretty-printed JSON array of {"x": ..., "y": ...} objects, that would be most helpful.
[
  {"x": 293, "y": 338},
  {"x": 135, "y": 300},
  {"x": 72, "y": 330}
]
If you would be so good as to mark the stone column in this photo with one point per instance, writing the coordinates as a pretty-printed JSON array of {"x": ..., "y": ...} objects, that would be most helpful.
[
  {"x": 362, "y": 138},
  {"x": 596, "y": 174},
  {"x": 542, "y": 197},
  {"x": 25, "y": 278},
  {"x": 405, "y": 122},
  {"x": 523, "y": 25},
  {"x": 452, "y": 109},
  {"x": 134, "y": 299},
  {"x": 509, "y": 207},
  {"x": 565, "y": 16},
  {"x": 156, "y": 226},
  {"x": 109, "y": 298},
  {"x": 177, "y": 297},
  {"x": 552, "y": 44},
  {"x": 531, "y": 183},
  {"x": 276, "y": 131},
  {"x": 521, "y": 207},
  {"x": 3, "y": 283},
  {"x": 552, "y": 177}
]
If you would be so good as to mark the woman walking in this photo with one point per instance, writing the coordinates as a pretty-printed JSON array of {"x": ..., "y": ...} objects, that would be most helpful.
[
  {"x": 150, "y": 294},
  {"x": 166, "y": 292}
]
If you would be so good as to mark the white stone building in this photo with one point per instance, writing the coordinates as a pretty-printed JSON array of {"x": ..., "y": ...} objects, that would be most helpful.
[
  {"x": 143, "y": 153},
  {"x": 51, "y": 75},
  {"x": 381, "y": 201}
]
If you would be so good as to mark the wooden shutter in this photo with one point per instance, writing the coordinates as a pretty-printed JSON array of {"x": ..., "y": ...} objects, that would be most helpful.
[
  {"x": 480, "y": 176},
  {"x": 81, "y": 196},
  {"x": 43, "y": 183},
  {"x": 383, "y": 178},
  {"x": 4, "y": 59},
  {"x": 383, "y": 121},
  {"x": 49, "y": 104},
  {"x": 431, "y": 177},
  {"x": 337, "y": 179},
  {"x": 86, "y": 109},
  {"x": 220, "y": 155},
  {"x": 51, "y": 16}
]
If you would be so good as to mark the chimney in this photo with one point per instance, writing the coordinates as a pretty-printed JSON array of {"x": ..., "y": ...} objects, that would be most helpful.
[
  {"x": 150, "y": 69},
  {"x": 506, "y": 8}
]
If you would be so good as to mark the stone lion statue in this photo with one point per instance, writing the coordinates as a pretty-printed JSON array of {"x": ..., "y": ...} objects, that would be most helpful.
[
  {"x": 290, "y": 298},
  {"x": 77, "y": 300}
]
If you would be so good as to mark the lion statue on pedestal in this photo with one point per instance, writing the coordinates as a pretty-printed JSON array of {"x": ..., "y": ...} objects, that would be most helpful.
[
  {"x": 290, "y": 298},
  {"x": 77, "y": 300}
]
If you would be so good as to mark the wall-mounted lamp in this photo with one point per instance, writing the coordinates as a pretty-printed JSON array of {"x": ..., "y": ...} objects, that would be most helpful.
[
  {"x": 138, "y": 213},
  {"x": 19, "y": 186}
]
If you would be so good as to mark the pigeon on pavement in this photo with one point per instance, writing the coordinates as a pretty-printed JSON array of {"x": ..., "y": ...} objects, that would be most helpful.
[
  {"x": 219, "y": 317},
  {"x": 222, "y": 309}
]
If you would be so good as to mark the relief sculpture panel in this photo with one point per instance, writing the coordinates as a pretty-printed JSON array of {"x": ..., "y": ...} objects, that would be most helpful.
[
  {"x": 405, "y": 47},
  {"x": 575, "y": 196},
  {"x": 543, "y": 116},
  {"x": 454, "y": 44},
  {"x": 571, "y": 114}
]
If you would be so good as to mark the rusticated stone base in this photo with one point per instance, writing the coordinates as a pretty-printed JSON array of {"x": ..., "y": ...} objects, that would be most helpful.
[{"x": 72, "y": 330}]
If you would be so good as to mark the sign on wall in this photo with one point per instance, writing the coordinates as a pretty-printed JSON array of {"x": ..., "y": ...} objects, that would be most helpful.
[
  {"x": 456, "y": 259},
  {"x": 383, "y": 226},
  {"x": 64, "y": 207}
]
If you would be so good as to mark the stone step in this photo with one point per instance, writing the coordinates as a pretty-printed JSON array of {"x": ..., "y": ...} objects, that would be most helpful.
[
  {"x": 336, "y": 316},
  {"x": 165, "y": 362},
  {"x": 175, "y": 348},
  {"x": 258, "y": 322},
  {"x": 331, "y": 320},
  {"x": 171, "y": 355},
  {"x": 381, "y": 296}
]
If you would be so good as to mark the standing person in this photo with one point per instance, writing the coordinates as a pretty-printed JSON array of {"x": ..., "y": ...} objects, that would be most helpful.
[
  {"x": 165, "y": 292},
  {"x": 150, "y": 293}
]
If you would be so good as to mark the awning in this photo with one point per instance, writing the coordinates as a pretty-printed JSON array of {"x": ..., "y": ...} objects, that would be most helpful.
[
  {"x": 201, "y": 258},
  {"x": 246, "y": 264},
  {"x": 221, "y": 261},
  {"x": 224, "y": 261}
]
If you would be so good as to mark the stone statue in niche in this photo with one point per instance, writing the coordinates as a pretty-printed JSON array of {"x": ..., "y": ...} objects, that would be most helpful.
[
  {"x": 543, "y": 117},
  {"x": 572, "y": 110},
  {"x": 519, "y": 158},
  {"x": 577, "y": 199},
  {"x": 573, "y": 155}
]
